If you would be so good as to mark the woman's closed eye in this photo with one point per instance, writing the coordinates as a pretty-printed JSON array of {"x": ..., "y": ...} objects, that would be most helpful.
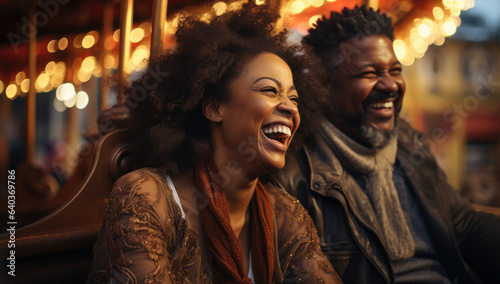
[{"x": 270, "y": 89}]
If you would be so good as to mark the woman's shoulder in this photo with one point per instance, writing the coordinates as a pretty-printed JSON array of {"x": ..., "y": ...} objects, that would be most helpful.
[
  {"x": 283, "y": 200},
  {"x": 139, "y": 177},
  {"x": 290, "y": 215},
  {"x": 147, "y": 185}
]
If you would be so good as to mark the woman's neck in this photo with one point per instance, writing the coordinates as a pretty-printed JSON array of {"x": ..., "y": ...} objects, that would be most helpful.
[{"x": 239, "y": 190}]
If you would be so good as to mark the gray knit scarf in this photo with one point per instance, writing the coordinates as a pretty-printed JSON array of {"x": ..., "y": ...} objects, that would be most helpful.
[{"x": 376, "y": 165}]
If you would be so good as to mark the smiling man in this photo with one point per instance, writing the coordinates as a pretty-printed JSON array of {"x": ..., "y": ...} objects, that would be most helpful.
[{"x": 384, "y": 210}]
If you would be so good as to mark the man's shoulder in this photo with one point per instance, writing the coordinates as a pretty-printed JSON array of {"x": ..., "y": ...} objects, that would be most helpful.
[
  {"x": 315, "y": 161},
  {"x": 409, "y": 137}
]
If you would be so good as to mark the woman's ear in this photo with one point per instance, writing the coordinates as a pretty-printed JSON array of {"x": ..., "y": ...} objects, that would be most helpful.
[{"x": 212, "y": 109}]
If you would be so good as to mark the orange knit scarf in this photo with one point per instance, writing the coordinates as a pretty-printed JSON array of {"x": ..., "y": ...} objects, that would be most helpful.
[{"x": 228, "y": 264}]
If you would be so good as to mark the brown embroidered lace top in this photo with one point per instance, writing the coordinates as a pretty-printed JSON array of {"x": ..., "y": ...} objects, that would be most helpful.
[{"x": 146, "y": 239}]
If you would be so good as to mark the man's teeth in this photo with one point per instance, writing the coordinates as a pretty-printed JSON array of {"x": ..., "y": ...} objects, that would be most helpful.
[
  {"x": 382, "y": 105},
  {"x": 278, "y": 129}
]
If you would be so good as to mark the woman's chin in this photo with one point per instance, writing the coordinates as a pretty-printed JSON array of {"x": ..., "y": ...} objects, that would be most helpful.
[{"x": 273, "y": 164}]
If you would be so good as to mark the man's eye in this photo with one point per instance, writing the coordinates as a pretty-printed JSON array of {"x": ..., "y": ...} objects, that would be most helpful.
[
  {"x": 368, "y": 74},
  {"x": 396, "y": 71}
]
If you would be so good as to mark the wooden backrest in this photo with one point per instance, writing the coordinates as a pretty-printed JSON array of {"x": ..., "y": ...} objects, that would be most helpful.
[{"x": 60, "y": 244}]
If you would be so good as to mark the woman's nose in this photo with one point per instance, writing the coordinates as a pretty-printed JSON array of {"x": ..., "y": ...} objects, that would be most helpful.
[{"x": 288, "y": 108}]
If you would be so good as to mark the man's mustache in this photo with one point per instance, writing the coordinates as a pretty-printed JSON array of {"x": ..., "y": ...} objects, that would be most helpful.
[{"x": 380, "y": 96}]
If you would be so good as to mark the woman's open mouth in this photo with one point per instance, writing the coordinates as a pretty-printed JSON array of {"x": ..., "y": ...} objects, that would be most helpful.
[{"x": 279, "y": 133}]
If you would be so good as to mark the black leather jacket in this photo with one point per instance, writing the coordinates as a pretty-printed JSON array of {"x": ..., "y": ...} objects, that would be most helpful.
[{"x": 467, "y": 242}]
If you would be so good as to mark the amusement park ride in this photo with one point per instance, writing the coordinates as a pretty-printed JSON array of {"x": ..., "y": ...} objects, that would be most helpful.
[{"x": 59, "y": 246}]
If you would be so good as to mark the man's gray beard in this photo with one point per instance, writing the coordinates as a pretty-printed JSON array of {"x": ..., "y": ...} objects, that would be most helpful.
[
  {"x": 373, "y": 137},
  {"x": 368, "y": 135}
]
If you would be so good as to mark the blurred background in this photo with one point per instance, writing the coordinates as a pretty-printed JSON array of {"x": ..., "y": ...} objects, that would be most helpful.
[{"x": 54, "y": 85}]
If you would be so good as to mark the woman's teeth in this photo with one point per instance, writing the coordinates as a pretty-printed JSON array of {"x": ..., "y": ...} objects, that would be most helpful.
[{"x": 278, "y": 129}]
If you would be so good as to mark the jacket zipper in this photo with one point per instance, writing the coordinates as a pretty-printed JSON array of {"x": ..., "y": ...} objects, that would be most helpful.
[{"x": 384, "y": 273}]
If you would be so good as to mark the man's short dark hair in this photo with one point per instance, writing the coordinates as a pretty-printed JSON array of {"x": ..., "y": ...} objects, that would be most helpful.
[{"x": 327, "y": 35}]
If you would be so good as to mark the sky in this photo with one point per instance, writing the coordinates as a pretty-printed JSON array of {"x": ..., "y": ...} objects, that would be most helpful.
[{"x": 481, "y": 22}]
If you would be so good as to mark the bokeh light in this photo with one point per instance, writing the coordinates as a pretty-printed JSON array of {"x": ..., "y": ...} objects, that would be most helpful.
[
  {"x": 82, "y": 99},
  {"x": 63, "y": 43},
  {"x": 219, "y": 8},
  {"x": 11, "y": 91}
]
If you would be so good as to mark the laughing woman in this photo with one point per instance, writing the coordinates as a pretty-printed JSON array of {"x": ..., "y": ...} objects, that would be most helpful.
[{"x": 223, "y": 114}]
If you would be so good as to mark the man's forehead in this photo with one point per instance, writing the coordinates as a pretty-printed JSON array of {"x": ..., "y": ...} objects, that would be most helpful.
[{"x": 358, "y": 50}]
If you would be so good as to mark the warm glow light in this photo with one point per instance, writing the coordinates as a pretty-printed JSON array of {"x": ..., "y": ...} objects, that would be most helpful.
[
  {"x": 219, "y": 8},
  {"x": 449, "y": 28},
  {"x": 83, "y": 76},
  {"x": 408, "y": 61},
  {"x": 438, "y": 13},
  {"x": 419, "y": 45},
  {"x": 302, "y": 28},
  {"x": 460, "y": 4},
  {"x": 63, "y": 43},
  {"x": 50, "y": 68},
  {"x": 138, "y": 59},
  {"x": 399, "y": 48},
  {"x": 59, "y": 106},
  {"x": 65, "y": 91},
  {"x": 70, "y": 102},
  {"x": 109, "y": 43},
  {"x": 60, "y": 68},
  {"x": 56, "y": 80},
  {"x": 77, "y": 42},
  {"x": 52, "y": 46},
  {"x": 469, "y": 4},
  {"x": 234, "y": 6},
  {"x": 172, "y": 26},
  {"x": 448, "y": 3},
  {"x": 59, "y": 93},
  {"x": 75, "y": 78},
  {"x": 88, "y": 41},
  {"x": 20, "y": 77},
  {"x": 97, "y": 72},
  {"x": 307, "y": 3},
  {"x": 109, "y": 61},
  {"x": 331, "y": 0},
  {"x": 414, "y": 34},
  {"x": 77, "y": 63},
  {"x": 136, "y": 35},
  {"x": 206, "y": 17},
  {"x": 42, "y": 81},
  {"x": 11, "y": 91},
  {"x": 25, "y": 85},
  {"x": 88, "y": 64},
  {"x": 317, "y": 3},
  {"x": 1, "y": 87},
  {"x": 313, "y": 20},
  {"x": 146, "y": 26},
  {"x": 260, "y": 2},
  {"x": 455, "y": 11},
  {"x": 296, "y": 7},
  {"x": 439, "y": 40},
  {"x": 424, "y": 30},
  {"x": 116, "y": 35},
  {"x": 82, "y": 99}
]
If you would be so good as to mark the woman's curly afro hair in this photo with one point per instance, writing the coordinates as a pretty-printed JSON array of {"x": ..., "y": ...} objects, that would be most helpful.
[{"x": 165, "y": 102}]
